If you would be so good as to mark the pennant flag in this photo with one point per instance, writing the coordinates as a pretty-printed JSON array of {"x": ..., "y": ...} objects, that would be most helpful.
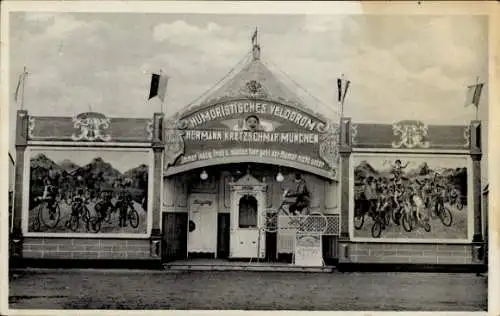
[
  {"x": 254, "y": 37},
  {"x": 20, "y": 85},
  {"x": 158, "y": 86},
  {"x": 474, "y": 94},
  {"x": 342, "y": 89},
  {"x": 345, "y": 91},
  {"x": 339, "y": 89}
]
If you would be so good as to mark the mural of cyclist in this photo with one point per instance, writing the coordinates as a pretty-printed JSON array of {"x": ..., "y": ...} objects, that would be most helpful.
[
  {"x": 301, "y": 195},
  {"x": 49, "y": 195},
  {"x": 104, "y": 205},
  {"x": 124, "y": 201},
  {"x": 398, "y": 169}
]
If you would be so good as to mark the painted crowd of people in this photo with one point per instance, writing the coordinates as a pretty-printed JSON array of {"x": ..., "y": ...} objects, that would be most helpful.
[{"x": 423, "y": 195}]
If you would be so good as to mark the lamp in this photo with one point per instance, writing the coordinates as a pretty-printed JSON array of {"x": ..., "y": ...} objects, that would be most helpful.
[
  {"x": 203, "y": 175},
  {"x": 279, "y": 176}
]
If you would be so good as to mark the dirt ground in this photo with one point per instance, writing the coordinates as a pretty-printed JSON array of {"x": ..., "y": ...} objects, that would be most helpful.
[{"x": 101, "y": 289}]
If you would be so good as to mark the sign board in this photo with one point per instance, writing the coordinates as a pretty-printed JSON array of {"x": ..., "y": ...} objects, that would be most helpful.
[
  {"x": 308, "y": 250},
  {"x": 252, "y": 130}
]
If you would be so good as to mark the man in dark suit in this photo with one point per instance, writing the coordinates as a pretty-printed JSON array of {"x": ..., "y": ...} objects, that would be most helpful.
[{"x": 301, "y": 193}]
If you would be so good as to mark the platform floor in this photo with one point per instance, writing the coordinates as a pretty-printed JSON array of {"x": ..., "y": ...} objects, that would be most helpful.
[{"x": 254, "y": 265}]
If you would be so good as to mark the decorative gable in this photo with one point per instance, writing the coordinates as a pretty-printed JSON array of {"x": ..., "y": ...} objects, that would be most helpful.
[{"x": 248, "y": 183}]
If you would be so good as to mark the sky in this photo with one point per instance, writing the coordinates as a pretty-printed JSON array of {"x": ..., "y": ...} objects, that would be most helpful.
[
  {"x": 117, "y": 159},
  {"x": 400, "y": 66}
]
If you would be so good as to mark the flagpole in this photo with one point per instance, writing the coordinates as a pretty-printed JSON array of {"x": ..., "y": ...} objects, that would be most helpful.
[
  {"x": 22, "y": 87},
  {"x": 477, "y": 105}
]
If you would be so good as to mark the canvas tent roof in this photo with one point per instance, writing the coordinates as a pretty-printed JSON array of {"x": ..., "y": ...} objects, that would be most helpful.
[{"x": 255, "y": 80}]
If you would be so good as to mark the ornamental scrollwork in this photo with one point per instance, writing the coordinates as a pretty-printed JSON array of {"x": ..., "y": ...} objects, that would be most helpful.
[
  {"x": 467, "y": 137},
  {"x": 413, "y": 134},
  {"x": 91, "y": 126},
  {"x": 150, "y": 129},
  {"x": 354, "y": 134},
  {"x": 174, "y": 141},
  {"x": 31, "y": 127},
  {"x": 329, "y": 145}
]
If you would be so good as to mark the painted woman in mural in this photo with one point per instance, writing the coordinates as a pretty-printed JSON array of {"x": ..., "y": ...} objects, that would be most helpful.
[
  {"x": 301, "y": 193},
  {"x": 49, "y": 195}
]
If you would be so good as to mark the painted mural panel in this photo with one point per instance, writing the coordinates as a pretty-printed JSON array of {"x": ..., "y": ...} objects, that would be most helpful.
[
  {"x": 87, "y": 191},
  {"x": 411, "y": 197}
]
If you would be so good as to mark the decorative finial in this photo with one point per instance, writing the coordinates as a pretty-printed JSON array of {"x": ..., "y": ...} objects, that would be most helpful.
[{"x": 255, "y": 45}]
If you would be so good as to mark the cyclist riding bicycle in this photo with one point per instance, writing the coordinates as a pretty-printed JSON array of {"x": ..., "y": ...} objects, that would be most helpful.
[
  {"x": 439, "y": 196},
  {"x": 124, "y": 201},
  {"x": 370, "y": 190},
  {"x": 301, "y": 195},
  {"x": 77, "y": 203},
  {"x": 104, "y": 205},
  {"x": 418, "y": 202},
  {"x": 398, "y": 169},
  {"x": 50, "y": 196}
]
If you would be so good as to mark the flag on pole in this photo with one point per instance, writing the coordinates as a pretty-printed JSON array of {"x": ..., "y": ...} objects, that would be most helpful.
[
  {"x": 20, "y": 85},
  {"x": 342, "y": 88},
  {"x": 339, "y": 89},
  {"x": 158, "y": 86},
  {"x": 254, "y": 37},
  {"x": 474, "y": 94},
  {"x": 347, "y": 83}
]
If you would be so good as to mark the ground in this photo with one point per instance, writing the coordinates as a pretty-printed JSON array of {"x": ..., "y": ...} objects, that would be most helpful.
[
  {"x": 101, "y": 289},
  {"x": 457, "y": 230}
]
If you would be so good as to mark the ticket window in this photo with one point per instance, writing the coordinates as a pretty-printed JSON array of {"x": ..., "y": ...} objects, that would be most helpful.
[{"x": 247, "y": 212}]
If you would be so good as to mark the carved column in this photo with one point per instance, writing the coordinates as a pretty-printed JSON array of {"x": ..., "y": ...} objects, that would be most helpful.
[
  {"x": 345, "y": 153},
  {"x": 158, "y": 147},
  {"x": 21, "y": 144}
]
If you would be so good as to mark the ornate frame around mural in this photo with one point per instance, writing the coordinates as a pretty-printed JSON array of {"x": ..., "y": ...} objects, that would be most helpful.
[{"x": 88, "y": 131}]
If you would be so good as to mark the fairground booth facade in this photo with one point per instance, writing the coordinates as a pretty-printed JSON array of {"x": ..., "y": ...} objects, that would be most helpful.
[{"x": 211, "y": 182}]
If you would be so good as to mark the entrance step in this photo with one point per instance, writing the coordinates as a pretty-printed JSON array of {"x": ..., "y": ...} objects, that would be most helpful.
[{"x": 237, "y": 266}]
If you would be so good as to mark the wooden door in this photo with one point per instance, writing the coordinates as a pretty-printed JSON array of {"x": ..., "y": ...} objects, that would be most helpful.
[
  {"x": 175, "y": 227},
  {"x": 223, "y": 227},
  {"x": 271, "y": 246}
]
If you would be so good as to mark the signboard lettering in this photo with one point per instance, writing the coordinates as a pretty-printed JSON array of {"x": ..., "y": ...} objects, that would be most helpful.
[
  {"x": 222, "y": 111},
  {"x": 279, "y": 154},
  {"x": 259, "y": 137}
]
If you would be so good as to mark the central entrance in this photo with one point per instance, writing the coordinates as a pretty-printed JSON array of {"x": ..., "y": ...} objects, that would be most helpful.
[
  {"x": 247, "y": 205},
  {"x": 202, "y": 225}
]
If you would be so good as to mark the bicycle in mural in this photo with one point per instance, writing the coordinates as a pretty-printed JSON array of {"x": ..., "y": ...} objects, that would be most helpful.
[
  {"x": 306, "y": 222},
  {"x": 79, "y": 211},
  {"x": 104, "y": 210},
  {"x": 48, "y": 215},
  {"x": 407, "y": 199},
  {"x": 85, "y": 193}
]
